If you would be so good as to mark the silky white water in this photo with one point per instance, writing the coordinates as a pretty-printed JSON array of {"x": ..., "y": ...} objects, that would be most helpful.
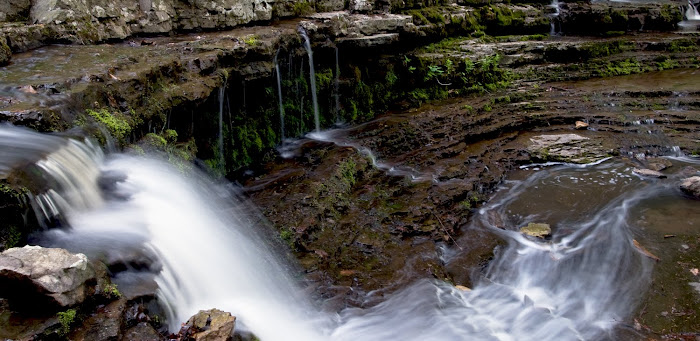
[
  {"x": 213, "y": 253},
  {"x": 312, "y": 77}
]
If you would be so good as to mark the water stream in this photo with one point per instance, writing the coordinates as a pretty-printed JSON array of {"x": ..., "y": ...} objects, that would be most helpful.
[
  {"x": 312, "y": 77},
  {"x": 213, "y": 251},
  {"x": 691, "y": 13},
  {"x": 279, "y": 96}
]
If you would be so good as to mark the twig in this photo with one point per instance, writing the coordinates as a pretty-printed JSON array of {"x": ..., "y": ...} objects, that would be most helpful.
[{"x": 444, "y": 229}]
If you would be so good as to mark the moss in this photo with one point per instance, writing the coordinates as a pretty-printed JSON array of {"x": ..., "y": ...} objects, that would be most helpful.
[
  {"x": 5, "y": 51},
  {"x": 66, "y": 319},
  {"x": 682, "y": 45},
  {"x": 302, "y": 8},
  {"x": 111, "y": 291},
  {"x": 115, "y": 123},
  {"x": 251, "y": 40}
]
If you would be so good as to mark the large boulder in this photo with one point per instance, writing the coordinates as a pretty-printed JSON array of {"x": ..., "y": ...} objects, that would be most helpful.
[
  {"x": 691, "y": 186},
  {"x": 209, "y": 325},
  {"x": 36, "y": 278}
]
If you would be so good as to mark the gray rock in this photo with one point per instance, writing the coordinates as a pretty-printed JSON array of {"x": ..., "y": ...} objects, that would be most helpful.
[
  {"x": 14, "y": 10},
  {"x": 691, "y": 186},
  {"x": 571, "y": 148},
  {"x": 142, "y": 331},
  {"x": 45, "y": 276},
  {"x": 103, "y": 325},
  {"x": 648, "y": 173},
  {"x": 209, "y": 325},
  {"x": 658, "y": 164}
]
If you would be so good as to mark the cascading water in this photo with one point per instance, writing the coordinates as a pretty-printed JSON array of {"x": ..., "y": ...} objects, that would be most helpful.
[
  {"x": 691, "y": 13},
  {"x": 312, "y": 77},
  {"x": 211, "y": 251},
  {"x": 222, "y": 96},
  {"x": 554, "y": 17},
  {"x": 336, "y": 85},
  {"x": 578, "y": 285},
  {"x": 279, "y": 96}
]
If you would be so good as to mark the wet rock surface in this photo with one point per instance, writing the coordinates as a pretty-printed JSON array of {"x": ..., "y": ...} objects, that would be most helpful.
[
  {"x": 209, "y": 325},
  {"x": 570, "y": 148},
  {"x": 43, "y": 278},
  {"x": 691, "y": 186}
]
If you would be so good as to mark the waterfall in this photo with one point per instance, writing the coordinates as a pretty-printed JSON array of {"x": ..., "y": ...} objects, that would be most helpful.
[
  {"x": 312, "y": 76},
  {"x": 336, "y": 85},
  {"x": 692, "y": 12},
  {"x": 554, "y": 17},
  {"x": 222, "y": 96},
  {"x": 213, "y": 254},
  {"x": 279, "y": 96}
]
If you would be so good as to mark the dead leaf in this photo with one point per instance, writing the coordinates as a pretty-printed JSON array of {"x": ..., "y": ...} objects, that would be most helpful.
[
  {"x": 462, "y": 287},
  {"x": 669, "y": 236},
  {"x": 644, "y": 251},
  {"x": 695, "y": 271}
]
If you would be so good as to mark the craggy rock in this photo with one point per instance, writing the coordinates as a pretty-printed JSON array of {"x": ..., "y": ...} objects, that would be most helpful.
[
  {"x": 32, "y": 277},
  {"x": 691, "y": 186},
  {"x": 5, "y": 52},
  {"x": 570, "y": 148},
  {"x": 142, "y": 331},
  {"x": 601, "y": 17},
  {"x": 104, "y": 325},
  {"x": 209, "y": 325},
  {"x": 14, "y": 10}
]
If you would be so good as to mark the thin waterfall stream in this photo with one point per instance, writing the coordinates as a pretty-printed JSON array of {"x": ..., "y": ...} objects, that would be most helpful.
[
  {"x": 279, "y": 96},
  {"x": 577, "y": 285},
  {"x": 312, "y": 77}
]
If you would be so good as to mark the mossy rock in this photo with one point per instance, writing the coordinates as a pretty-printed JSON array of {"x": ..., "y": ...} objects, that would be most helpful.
[
  {"x": 538, "y": 230},
  {"x": 5, "y": 52}
]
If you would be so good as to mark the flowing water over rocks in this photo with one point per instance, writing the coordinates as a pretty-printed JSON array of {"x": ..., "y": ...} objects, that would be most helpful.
[{"x": 529, "y": 202}]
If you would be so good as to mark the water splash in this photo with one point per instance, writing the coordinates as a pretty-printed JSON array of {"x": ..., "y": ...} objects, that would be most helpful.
[
  {"x": 279, "y": 96},
  {"x": 312, "y": 76}
]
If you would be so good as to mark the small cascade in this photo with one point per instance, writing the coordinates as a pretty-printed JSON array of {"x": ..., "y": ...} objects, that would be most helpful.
[
  {"x": 222, "y": 96},
  {"x": 554, "y": 18},
  {"x": 279, "y": 96},
  {"x": 63, "y": 180},
  {"x": 336, "y": 85},
  {"x": 691, "y": 13},
  {"x": 312, "y": 77}
]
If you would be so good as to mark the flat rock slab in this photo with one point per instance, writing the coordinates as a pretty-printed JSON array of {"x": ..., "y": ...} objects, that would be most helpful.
[
  {"x": 648, "y": 173},
  {"x": 571, "y": 148},
  {"x": 33, "y": 274}
]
